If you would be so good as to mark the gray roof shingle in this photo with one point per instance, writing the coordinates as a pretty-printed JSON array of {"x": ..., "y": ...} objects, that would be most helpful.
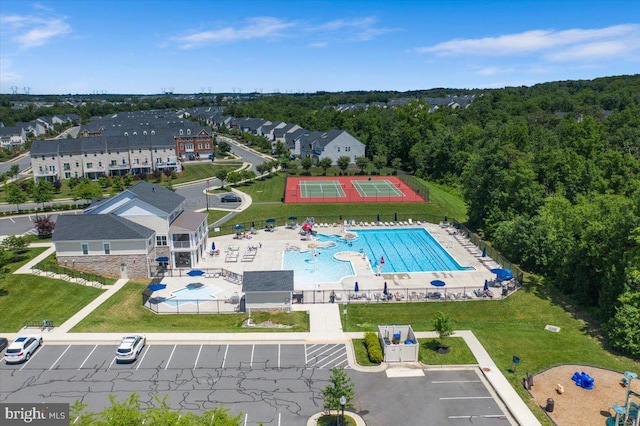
[
  {"x": 267, "y": 281},
  {"x": 107, "y": 227}
]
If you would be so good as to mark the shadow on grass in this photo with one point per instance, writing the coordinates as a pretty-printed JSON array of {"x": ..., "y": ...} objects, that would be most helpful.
[{"x": 436, "y": 346}]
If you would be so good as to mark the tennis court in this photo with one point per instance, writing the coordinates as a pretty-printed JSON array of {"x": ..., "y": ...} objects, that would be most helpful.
[
  {"x": 348, "y": 189},
  {"x": 329, "y": 188}
]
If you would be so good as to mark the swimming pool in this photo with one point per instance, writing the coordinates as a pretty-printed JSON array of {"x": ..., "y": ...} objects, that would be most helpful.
[
  {"x": 191, "y": 293},
  {"x": 403, "y": 250}
]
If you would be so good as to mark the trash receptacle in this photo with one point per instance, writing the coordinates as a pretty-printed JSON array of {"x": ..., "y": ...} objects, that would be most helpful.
[{"x": 550, "y": 404}]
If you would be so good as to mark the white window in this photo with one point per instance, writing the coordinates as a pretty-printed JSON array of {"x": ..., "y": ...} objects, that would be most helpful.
[
  {"x": 161, "y": 240},
  {"x": 107, "y": 248},
  {"x": 85, "y": 248},
  {"x": 338, "y": 149},
  {"x": 348, "y": 149}
]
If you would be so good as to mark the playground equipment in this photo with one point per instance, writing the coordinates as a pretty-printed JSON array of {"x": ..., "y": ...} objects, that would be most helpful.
[{"x": 627, "y": 415}]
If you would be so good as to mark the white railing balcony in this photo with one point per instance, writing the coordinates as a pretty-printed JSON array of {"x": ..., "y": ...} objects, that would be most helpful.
[
  {"x": 45, "y": 172},
  {"x": 94, "y": 169},
  {"x": 119, "y": 166},
  {"x": 180, "y": 244}
]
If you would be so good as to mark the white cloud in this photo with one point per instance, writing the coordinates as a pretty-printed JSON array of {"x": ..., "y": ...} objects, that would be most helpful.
[
  {"x": 254, "y": 28},
  {"x": 582, "y": 44},
  {"x": 320, "y": 44},
  {"x": 32, "y": 31},
  {"x": 493, "y": 70},
  {"x": 360, "y": 29},
  {"x": 7, "y": 75}
]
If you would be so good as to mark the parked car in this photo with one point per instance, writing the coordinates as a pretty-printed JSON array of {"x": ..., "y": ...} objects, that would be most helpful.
[
  {"x": 230, "y": 198},
  {"x": 130, "y": 348},
  {"x": 22, "y": 348},
  {"x": 3, "y": 343}
]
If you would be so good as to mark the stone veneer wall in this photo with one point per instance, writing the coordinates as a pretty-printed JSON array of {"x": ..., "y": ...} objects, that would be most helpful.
[{"x": 108, "y": 265}]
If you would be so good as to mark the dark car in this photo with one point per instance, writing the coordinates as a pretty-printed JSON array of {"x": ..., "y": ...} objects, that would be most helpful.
[
  {"x": 230, "y": 198},
  {"x": 3, "y": 343}
]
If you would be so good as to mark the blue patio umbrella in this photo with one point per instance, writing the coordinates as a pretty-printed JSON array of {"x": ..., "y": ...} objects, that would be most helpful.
[
  {"x": 213, "y": 245},
  {"x": 270, "y": 220},
  {"x": 162, "y": 259},
  {"x": 486, "y": 285},
  {"x": 156, "y": 287},
  {"x": 484, "y": 252},
  {"x": 503, "y": 274},
  {"x": 395, "y": 217},
  {"x": 293, "y": 218},
  {"x": 356, "y": 288},
  {"x": 238, "y": 227},
  {"x": 195, "y": 273},
  {"x": 378, "y": 217},
  {"x": 385, "y": 291},
  {"x": 438, "y": 283}
]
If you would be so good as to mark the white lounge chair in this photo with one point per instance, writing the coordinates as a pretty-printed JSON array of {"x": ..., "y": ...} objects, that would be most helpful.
[{"x": 410, "y": 221}]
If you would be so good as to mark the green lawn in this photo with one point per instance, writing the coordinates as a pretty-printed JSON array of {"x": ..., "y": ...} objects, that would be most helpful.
[
  {"x": 193, "y": 172},
  {"x": 123, "y": 312},
  {"x": 460, "y": 352},
  {"x": 35, "y": 298}
]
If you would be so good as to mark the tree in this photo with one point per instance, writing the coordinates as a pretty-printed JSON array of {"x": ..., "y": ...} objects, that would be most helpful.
[
  {"x": 222, "y": 175},
  {"x": 339, "y": 385},
  {"x": 234, "y": 177},
  {"x": 14, "y": 170},
  {"x": 15, "y": 195},
  {"x": 325, "y": 163},
  {"x": 343, "y": 163},
  {"x": 262, "y": 168},
  {"x": 15, "y": 244},
  {"x": 443, "y": 324},
  {"x": 45, "y": 226},
  {"x": 87, "y": 190},
  {"x": 379, "y": 161},
  {"x": 130, "y": 412},
  {"x": 306, "y": 163},
  {"x": 362, "y": 163},
  {"x": 43, "y": 192}
]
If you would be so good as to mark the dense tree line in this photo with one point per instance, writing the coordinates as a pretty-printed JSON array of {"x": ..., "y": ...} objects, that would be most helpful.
[{"x": 550, "y": 174}]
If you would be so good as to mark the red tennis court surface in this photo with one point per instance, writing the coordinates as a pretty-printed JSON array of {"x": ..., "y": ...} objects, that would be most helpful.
[{"x": 342, "y": 189}]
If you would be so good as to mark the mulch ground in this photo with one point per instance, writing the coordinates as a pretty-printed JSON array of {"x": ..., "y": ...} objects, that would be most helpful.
[{"x": 578, "y": 406}]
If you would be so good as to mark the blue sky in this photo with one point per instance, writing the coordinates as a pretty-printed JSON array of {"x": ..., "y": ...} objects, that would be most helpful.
[{"x": 144, "y": 46}]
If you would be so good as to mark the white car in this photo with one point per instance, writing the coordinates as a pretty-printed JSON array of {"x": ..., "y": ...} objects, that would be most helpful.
[
  {"x": 22, "y": 348},
  {"x": 130, "y": 348}
]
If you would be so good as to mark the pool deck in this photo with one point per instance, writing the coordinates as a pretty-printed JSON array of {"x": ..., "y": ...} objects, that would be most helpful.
[{"x": 269, "y": 257}]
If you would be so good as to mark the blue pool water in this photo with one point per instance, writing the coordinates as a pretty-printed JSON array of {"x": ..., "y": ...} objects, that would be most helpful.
[
  {"x": 193, "y": 292},
  {"x": 404, "y": 250}
]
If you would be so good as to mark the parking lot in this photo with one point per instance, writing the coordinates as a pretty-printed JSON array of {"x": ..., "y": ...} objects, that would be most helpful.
[{"x": 272, "y": 384}]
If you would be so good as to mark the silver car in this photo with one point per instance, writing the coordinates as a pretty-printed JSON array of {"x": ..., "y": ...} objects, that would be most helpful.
[
  {"x": 130, "y": 348},
  {"x": 22, "y": 348}
]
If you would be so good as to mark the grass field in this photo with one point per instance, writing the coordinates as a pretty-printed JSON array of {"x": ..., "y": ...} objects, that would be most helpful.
[
  {"x": 460, "y": 352},
  {"x": 123, "y": 312},
  {"x": 35, "y": 298}
]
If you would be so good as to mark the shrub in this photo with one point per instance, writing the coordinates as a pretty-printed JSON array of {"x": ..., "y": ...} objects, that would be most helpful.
[{"x": 374, "y": 350}]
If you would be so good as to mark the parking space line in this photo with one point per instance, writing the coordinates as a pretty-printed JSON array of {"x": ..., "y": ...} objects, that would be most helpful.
[
  {"x": 170, "y": 356},
  {"x": 465, "y": 397},
  {"x": 224, "y": 359},
  {"x": 197, "y": 358},
  {"x": 27, "y": 362},
  {"x": 306, "y": 361},
  {"x": 112, "y": 361},
  {"x": 321, "y": 353},
  {"x": 279, "y": 418},
  {"x": 330, "y": 354},
  {"x": 56, "y": 361},
  {"x": 278, "y": 363},
  {"x": 143, "y": 355},
  {"x": 331, "y": 361},
  {"x": 87, "y": 358},
  {"x": 246, "y": 418},
  {"x": 480, "y": 416},
  {"x": 455, "y": 381},
  {"x": 253, "y": 348}
]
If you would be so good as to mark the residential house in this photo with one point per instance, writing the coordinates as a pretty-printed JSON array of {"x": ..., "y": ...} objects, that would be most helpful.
[
  {"x": 12, "y": 136},
  {"x": 132, "y": 233}
]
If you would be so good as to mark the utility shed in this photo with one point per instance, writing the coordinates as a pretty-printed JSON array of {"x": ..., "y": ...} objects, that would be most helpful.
[
  {"x": 399, "y": 343},
  {"x": 267, "y": 289}
]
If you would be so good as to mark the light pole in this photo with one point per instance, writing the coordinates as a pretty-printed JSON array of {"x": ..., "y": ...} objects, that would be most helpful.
[{"x": 343, "y": 402}]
